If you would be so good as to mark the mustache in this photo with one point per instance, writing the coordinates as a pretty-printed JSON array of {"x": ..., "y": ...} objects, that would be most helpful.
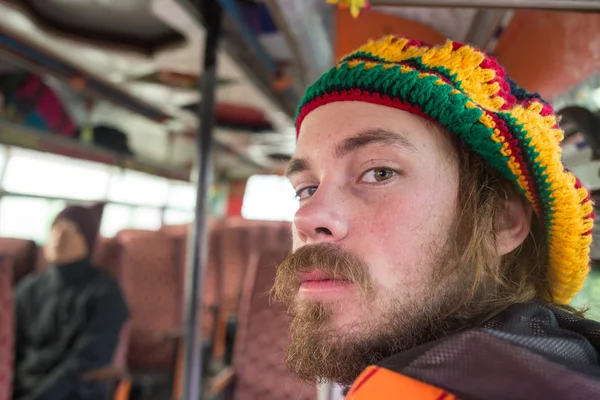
[{"x": 328, "y": 258}]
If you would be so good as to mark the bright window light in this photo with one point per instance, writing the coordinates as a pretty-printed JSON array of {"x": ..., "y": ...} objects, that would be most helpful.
[
  {"x": 177, "y": 217},
  {"x": 28, "y": 218},
  {"x": 146, "y": 218},
  {"x": 182, "y": 196},
  {"x": 2, "y": 158},
  {"x": 269, "y": 197},
  {"x": 42, "y": 174},
  {"x": 134, "y": 187},
  {"x": 595, "y": 95},
  {"x": 115, "y": 218}
]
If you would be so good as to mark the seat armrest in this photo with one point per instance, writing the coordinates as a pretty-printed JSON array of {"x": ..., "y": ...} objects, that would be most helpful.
[
  {"x": 220, "y": 381},
  {"x": 176, "y": 333},
  {"x": 107, "y": 374}
]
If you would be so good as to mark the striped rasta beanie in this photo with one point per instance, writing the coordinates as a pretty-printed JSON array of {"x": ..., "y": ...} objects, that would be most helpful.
[{"x": 470, "y": 95}]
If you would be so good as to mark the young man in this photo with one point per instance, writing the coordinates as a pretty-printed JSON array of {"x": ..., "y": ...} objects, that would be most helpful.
[
  {"x": 68, "y": 318},
  {"x": 439, "y": 238}
]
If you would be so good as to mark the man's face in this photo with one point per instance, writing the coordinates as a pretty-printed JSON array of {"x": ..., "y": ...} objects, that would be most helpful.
[
  {"x": 65, "y": 244},
  {"x": 378, "y": 200}
]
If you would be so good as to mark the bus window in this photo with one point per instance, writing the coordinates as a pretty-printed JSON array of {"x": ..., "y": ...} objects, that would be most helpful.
[
  {"x": 28, "y": 218},
  {"x": 177, "y": 217},
  {"x": 116, "y": 217},
  {"x": 182, "y": 196},
  {"x": 42, "y": 174},
  {"x": 146, "y": 218},
  {"x": 269, "y": 197},
  {"x": 2, "y": 159},
  {"x": 133, "y": 187}
]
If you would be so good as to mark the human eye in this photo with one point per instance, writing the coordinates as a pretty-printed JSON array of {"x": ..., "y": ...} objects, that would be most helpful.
[
  {"x": 378, "y": 175},
  {"x": 305, "y": 192}
]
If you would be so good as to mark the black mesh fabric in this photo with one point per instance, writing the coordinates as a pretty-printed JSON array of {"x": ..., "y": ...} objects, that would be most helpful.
[{"x": 529, "y": 351}]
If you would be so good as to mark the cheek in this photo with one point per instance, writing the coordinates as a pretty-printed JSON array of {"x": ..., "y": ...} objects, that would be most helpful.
[{"x": 403, "y": 239}]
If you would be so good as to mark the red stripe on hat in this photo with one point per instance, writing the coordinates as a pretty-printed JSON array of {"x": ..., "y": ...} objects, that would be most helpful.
[
  {"x": 499, "y": 78},
  {"x": 417, "y": 43},
  {"x": 357, "y": 95},
  {"x": 513, "y": 146}
]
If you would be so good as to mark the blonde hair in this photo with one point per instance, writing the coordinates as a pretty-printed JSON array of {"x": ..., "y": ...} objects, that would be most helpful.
[{"x": 521, "y": 275}]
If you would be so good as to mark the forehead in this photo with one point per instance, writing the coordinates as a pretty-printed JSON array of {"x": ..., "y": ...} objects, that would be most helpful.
[
  {"x": 333, "y": 123},
  {"x": 63, "y": 224}
]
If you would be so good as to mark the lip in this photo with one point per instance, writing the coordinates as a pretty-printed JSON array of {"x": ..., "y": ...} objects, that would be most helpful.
[
  {"x": 320, "y": 284},
  {"x": 314, "y": 276}
]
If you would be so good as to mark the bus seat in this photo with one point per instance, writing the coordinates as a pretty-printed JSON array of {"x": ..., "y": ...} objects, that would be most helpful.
[
  {"x": 248, "y": 237},
  {"x": 120, "y": 356},
  {"x": 284, "y": 238},
  {"x": 185, "y": 229},
  {"x": 235, "y": 250},
  {"x": 41, "y": 262},
  {"x": 176, "y": 230},
  {"x": 116, "y": 375},
  {"x": 6, "y": 328},
  {"x": 238, "y": 239},
  {"x": 210, "y": 289},
  {"x": 24, "y": 254},
  {"x": 260, "y": 371},
  {"x": 209, "y": 293},
  {"x": 106, "y": 257},
  {"x": 269, "y": 235},
  {"x": 153, "y": 285}
]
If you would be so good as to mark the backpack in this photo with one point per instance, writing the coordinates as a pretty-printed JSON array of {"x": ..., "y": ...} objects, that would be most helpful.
[
  {"x": 35, "y": 104},
  {"x": 107, "y": 137}
]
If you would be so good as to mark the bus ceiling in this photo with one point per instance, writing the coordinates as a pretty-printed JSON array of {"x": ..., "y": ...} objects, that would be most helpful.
[
  {"x": 142, "y": 76},
  {"x": 140, "y": 73}
]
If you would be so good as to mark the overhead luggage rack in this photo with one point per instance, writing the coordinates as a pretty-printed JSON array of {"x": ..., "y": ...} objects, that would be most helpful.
[
  {"x": 29, "y": 138},
  {"x": 37, "y": 60}
]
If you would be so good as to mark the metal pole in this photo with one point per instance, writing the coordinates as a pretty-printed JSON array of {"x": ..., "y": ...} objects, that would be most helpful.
[
  {"x": 566, "y": 5},
  {"x": 324, "y": 391},
  {"x": 192, "y": 389}
]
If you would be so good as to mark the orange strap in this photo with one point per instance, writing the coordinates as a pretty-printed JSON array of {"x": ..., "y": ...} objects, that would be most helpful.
[
  {"x": 123, "y": 390},
  {"x": 379, "y": 383}
]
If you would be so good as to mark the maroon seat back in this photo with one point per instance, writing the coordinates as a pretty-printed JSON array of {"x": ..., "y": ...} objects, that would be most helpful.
[
  {"x": 153, "y": 285},
  {"x": 262, "y": 337},
  {"x": 107, "y": 257},
  {"x": 234, "y": 247},
  {"x": 24, "y": 254},
  {"x": 238, "y": 240},
  {"x": 210, "y": 294},
  {"x": 7, "y": 324}
]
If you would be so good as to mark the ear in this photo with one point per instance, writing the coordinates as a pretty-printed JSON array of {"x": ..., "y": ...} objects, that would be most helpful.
[{"x": 514, "y": 224}]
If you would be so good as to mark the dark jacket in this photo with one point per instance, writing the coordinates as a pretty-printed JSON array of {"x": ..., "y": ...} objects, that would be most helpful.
[
  {"x": 68, "y": 322},
  {"x": 528, "y": 352}
]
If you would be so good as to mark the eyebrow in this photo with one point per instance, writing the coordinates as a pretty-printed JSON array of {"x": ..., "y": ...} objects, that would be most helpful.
[
  {"x": 374, "y": 136},
  {"x": 295, "y": 166},
  {"x": 356, "y": 142}
]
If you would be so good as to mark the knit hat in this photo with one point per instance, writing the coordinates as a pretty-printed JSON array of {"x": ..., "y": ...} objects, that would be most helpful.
[
  {"x": 85, "y": 221},
  {"x": 470, "y": 95}
]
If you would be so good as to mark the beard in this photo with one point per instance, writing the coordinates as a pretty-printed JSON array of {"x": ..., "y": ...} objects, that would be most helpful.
[{"x": 318, "y": 351}]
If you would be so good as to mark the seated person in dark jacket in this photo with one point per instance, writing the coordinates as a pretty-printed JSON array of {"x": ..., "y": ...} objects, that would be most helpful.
[{"x": 68, "y": 319}]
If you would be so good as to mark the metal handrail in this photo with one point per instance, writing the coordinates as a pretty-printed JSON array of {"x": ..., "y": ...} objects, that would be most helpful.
[{"x": 565, "y": 5}]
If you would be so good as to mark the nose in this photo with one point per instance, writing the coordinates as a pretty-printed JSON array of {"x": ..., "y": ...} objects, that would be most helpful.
[{"x": 322, "y": 218}]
